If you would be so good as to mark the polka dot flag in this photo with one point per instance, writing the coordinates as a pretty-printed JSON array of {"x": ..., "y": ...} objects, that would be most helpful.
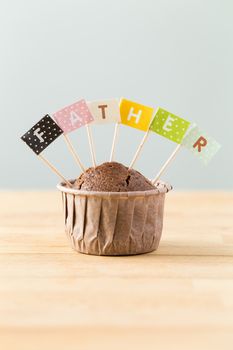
[
  {"x": 42, "y": 134},
  {"x": 201, "y": 144},
  {"x": 169, "y": 125},
  {"x": 73, "y": 116}
]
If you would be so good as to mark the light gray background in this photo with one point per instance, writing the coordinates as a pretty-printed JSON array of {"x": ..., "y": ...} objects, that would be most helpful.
[{"x": 176, "y": 54}]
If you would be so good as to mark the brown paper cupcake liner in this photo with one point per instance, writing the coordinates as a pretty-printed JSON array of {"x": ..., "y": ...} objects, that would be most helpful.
[{"x": 114, "y": 223}]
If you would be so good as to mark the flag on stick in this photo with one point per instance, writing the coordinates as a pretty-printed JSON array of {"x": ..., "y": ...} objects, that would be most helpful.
[
  {"x": 135, "y": 115},
  {"x": 169, "y": 125},
  {"x": 201, "y": 144},
  {"x": 198, "y": 142},
  {"x": 40, "y": 136},
  {"x": 106, "y": 111},
  {"x": 165, "y": 124},
  {"x": 173, "y": 128},
  {"x": 71, "y": 118}
]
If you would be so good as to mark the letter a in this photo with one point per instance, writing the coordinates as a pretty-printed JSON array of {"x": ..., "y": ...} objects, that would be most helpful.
[
  {"x": 201, "y": 142},
  {"x": 74, "y": 118},
  {"x": 136, "y": 115}
]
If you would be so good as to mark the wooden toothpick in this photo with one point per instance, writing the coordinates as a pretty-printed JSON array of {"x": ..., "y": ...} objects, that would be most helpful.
[
  {"x": 73, "y": 152},
  {"x": 139, "y": 149},
  {"x": 54, "y": 170},
  {"x": 114, "y": 141},
  {"x": 166, "y": 164},
  {"x": 91, "y": 144}
]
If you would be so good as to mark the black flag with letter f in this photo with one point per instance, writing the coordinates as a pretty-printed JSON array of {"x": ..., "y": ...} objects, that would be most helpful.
[{"x": 42, "y": 134}]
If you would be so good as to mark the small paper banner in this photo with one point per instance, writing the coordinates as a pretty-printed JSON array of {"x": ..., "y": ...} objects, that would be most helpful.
[
  {"x": 201, "y": 144},
  {"x": 42, "y": 134},
  {"x": 73, "y": 116},
  {"x": 169, "y": 125},
  {"x": 105, "y": 111},
  {"x": 135, "y": 115}
]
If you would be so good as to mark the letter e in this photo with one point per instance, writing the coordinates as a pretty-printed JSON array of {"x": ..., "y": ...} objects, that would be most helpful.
[{"x": 168, "y": 123}]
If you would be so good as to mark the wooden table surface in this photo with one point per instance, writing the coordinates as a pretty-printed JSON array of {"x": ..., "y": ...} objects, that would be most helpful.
[{"x": 179, "y": 297}]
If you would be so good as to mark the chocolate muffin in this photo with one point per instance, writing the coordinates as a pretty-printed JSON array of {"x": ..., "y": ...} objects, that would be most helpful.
[
  {"x": 113, "y": 210},
  {"x": 112, "y": 177}
]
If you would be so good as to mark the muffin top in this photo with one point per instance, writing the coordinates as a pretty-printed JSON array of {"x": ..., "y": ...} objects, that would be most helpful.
[{"x": 112, "y": 177}]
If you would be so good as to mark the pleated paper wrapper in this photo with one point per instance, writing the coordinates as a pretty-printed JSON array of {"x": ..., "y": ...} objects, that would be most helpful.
[{"x": 114, "y": 223}]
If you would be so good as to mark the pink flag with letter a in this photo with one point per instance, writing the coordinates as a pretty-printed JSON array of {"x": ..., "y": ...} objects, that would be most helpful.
[{"x": 73, "y": 116}]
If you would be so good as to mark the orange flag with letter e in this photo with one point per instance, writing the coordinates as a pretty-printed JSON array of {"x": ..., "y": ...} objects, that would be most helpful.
[{"x": 201, "y": 144}]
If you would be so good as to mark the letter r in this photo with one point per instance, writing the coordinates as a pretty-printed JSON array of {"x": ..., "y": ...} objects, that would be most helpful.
[{"x": 201, "y": 142}]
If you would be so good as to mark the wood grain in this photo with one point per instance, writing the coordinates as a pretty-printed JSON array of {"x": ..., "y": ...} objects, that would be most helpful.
[{"x": 180, "y": 297}]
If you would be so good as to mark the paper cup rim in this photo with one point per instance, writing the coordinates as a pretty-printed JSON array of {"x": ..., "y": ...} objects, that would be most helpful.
[{"x": 161, "y": 187}]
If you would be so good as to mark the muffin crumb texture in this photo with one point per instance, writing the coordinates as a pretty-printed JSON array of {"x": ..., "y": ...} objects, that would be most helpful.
[{"x": 112, "y": 177}]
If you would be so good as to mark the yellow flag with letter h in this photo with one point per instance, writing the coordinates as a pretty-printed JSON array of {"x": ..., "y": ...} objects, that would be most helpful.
[{"x": 135, "y": 115}]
